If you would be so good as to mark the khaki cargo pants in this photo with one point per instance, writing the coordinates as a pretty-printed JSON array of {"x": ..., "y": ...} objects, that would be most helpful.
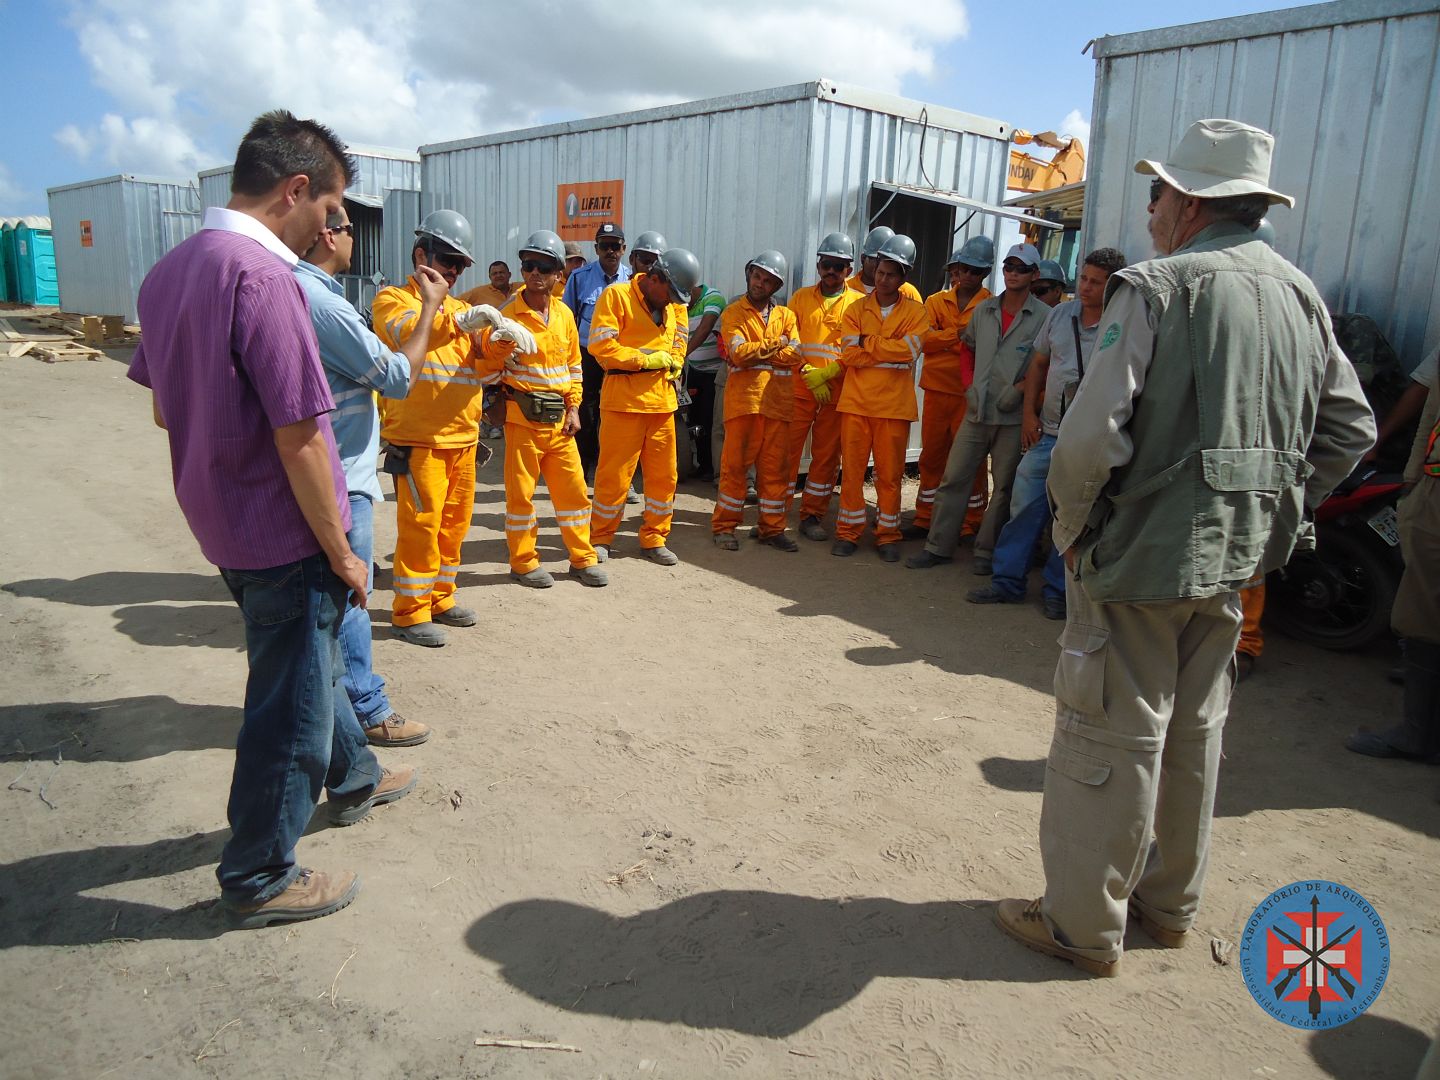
[{"x": 1141, "y": 693}]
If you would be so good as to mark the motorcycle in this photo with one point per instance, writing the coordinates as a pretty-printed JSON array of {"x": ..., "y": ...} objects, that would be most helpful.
[{"x": 1339, "y": 595}]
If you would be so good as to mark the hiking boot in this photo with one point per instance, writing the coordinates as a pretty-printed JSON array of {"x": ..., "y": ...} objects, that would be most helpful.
[
  {"x": 981, "y": 566},
  {"x": 456, "y": 616},
  {"x": 915, "y": 532},
  {"x": 924, "y": 559},
  {"x": 888, "y": 552},
  {"x": 1171, "y": 939},
  {"x": 312, "y": 894},
  {"x": 1055, "y": 608},
  {"x": 989, "y": 594},
  {"x": 844, "y": 548},
  {"x": 632, "y": 497},
  {"x": 726, "y": 541},
  {"x": 811, "y": 529},
  {"x": 424, "y": 633},
  {"x": 592, "y": 576},
  {"x": 1021, "y": 919},
  {"x": 662, "y": 555},
  {"x": 602, "y": 552},
  {"x": 394, "y": 784},
  {"x": 395, "y": 730},
  {"x": 781, "y": 540},
  {"x": 539, "y": 578}
]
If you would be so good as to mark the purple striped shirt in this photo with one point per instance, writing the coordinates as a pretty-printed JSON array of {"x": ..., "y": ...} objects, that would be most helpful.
[{"x": 228, "y": 348}]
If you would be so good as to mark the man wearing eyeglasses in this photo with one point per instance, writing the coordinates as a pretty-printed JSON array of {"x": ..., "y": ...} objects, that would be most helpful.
[
  {"x": 433, "y": 432},
  {"x": 581, "y": 293},
  {"x": 1000, "y": 335},
  {"x": 358, "y": 366},
  {"x": 946, "y": 374}
]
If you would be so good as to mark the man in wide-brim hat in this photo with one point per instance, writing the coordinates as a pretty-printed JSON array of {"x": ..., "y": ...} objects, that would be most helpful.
[{"x": 1215, "y": 410}]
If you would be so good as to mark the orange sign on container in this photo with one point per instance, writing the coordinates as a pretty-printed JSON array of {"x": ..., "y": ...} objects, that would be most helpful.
[
  {"x": 87, "y": 238},
  {"x": 582, "y": 208}
]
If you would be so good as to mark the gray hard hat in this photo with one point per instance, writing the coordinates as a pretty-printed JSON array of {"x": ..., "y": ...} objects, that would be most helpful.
[
  {"x": 450, "y": 228},
  {"x": 837, "y": 245},
  {"x": 652, "y": 242},
  {"x": 772, "y": 262},
  {"x": 682, "y": 270},
  {"x": 978, "y": 251},
  {"x": 1265, "y": 232},
  {"x": 545, "y": 242},
  {"x": 875, "y": 240},
  {"x": 898, "y": 249},
  {"x": 1050, "y": 270}
]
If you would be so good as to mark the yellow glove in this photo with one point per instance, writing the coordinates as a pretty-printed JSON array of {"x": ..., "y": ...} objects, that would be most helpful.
[
  {"x": 655, "y": 361},
  {"x": 677, "y": 363},
  {"x": 818, "y": 376},
  {"x": 822, "y": 393}
]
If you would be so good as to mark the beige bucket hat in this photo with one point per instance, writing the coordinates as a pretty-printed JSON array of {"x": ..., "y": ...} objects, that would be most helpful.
[{"x": 1219, "y": 158}]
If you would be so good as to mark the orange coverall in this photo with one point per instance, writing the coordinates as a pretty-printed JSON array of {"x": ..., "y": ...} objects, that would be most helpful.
[
  {"x": 820, "y": 320},
  {"x": 944, "y": 377}
]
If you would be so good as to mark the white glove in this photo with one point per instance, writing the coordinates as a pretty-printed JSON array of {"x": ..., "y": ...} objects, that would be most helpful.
[
  {"x": 510, "y": 330},
  {"x": 477, "y": 318}
]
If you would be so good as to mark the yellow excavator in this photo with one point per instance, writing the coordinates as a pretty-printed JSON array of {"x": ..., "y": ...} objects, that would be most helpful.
[{"x": 1032, "y": 174}]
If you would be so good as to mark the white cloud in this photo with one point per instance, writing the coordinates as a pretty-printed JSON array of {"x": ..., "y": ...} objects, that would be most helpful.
[
  {"x": 11, "y": 191},
  {"x": 146, "y": 144},
  {"x": 193, "y": 73},
  {"x": 75, "y": 140},
  {"x": 1076, "y": 125}
]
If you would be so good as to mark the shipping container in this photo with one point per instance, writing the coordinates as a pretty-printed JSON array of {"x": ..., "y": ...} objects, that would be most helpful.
[
  {"x": 1351, "y": 92},
  {"x": 35, "y": 262},
  {"x": 729, "y": 177},
  {"x": 380, "y": 171},
  {"x": 110, "y": 232}
]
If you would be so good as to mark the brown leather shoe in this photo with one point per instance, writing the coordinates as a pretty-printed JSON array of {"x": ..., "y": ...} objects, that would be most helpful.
[
  {"x": 1161, "y": 935},
  {"x": 394, "y": 784},
  {"x": 311, "y": 895},
  {"x": 1021, "y": 919},
  {"x": 395, "y": 730}
]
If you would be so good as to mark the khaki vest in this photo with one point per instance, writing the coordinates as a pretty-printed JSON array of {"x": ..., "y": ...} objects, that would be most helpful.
[{"x": 1214, "y": 493}]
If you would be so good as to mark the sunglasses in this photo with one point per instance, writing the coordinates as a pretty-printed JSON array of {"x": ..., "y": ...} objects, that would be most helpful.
[
  {"x": 1044, "y": 290},
  {"x": 833, "y": 264},
  {"x": 348, "y": 228},
  {"x": 546, "y": 267},
  {"x": 608, "y": 245},
  {"x": 1018, "y": 268},
  {"x": 457, "y": 263},
  {"x": 1157, "y": 188}
]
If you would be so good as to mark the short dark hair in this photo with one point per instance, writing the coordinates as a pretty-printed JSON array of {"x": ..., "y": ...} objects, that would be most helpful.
[
  {"x": 280, "y": 145},
  {"x": 498, "y": 262},
  {"x": 1107, "y": 259},
  {"x": 1245, "y": 209}
]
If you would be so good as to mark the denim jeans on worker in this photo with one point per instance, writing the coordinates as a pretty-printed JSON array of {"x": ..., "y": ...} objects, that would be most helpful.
[
  {"x": 365, "y": 689},
  {"x": 1029, "y": 514},
  {"x": 299, "y": 734}
]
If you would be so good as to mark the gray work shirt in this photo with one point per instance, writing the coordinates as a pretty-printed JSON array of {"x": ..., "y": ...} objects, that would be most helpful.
[{"x": 1057, "y": 338}]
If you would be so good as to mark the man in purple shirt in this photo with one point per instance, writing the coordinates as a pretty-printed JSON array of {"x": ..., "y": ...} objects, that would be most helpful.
[{"x": 229, "y": 352}]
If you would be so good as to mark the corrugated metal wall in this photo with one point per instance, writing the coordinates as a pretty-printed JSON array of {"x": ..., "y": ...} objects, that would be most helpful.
[
  {"x": 215, "y": 187},
  {"x": 379, "y": 172},
  {"x": 1351, "y": 92},
  {"x": 397, "y": 233},
  {"x": 134, "y": 221}
]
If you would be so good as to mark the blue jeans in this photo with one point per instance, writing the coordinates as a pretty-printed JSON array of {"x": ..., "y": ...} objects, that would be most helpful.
[
  {"x": 365, "y": 689},
  {"x": 1029, "y": 513},
  {"x": 299, "y": 735}
]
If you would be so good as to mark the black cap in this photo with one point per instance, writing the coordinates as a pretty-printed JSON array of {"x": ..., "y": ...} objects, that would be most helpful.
[{"x": 609, "y": 231}]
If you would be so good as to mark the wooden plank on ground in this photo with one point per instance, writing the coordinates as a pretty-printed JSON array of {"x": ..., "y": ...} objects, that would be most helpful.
[{"x": 20, "y": 348}]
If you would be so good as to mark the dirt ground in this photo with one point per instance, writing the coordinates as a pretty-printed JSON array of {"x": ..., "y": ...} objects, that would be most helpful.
[{"x": 743, "y": 817}]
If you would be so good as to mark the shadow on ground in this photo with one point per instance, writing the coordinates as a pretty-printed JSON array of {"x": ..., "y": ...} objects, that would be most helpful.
[
  {"x": 759, "y": 963},
  {"x": 120, "y": 729},
  {"x": 1370, "y": 1047}
]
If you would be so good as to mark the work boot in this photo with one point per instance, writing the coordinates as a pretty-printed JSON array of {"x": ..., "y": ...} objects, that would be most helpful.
[
  {"x": 1244, "y": 666},
  {"x": 888, "y": 552},
  {"x": 632, "y": 497},
  {"x": 1022, "y": 920},
  {"x": 915, "y": 532},
  {"x": 1161, "y": 935},
  {"x": 312, "y": 894},
  {"x": 456, "y": 616},
  {"x": 844, "y": 548},
  {"x": 980, "y": 565},
  {"x": 781, "y": 540},
  {"x": 539, "y": 578},
  {"x": 592, "y": 576},
  {"x": 394, "y": 784},
  {"x": 427, "y": 634},
  {"x": 1055, "y": 608},
  {"x": 811, "y": 529},
  {"x": 989, "y": 594},
  {"x": 662, "y": 555},
  {"x": 395, "y": 730},
  {"x": 925, "y": 558},
  {"x": 602, "y": 552},
  {"x": 726, "y": 541}
]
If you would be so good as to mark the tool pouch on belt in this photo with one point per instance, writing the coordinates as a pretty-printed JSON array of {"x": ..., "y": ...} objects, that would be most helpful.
[
  {"x": 397, "y": 460},
  {"x": 541, "y": 406}
]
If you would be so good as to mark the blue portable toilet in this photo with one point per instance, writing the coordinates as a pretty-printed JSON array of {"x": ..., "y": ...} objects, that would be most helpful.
[
  {"x": 35, "y": 262},
  {"x": 9, "y": 284}
]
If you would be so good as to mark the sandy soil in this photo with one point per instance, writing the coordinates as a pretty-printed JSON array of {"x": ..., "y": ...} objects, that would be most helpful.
[{"x": 738, "y": 818}]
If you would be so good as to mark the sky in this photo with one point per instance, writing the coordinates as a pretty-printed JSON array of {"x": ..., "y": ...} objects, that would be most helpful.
[{"x": 167, "y": 87}]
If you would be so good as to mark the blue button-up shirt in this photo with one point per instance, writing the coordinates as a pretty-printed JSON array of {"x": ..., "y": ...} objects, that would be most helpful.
[
  {"x": 584, "y": 288},
  {"x": 356, "y": 364}
]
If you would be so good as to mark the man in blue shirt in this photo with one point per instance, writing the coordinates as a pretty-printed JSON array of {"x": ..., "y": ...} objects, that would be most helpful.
[
  {"x": 358, "y": 366},
  {"x": 581, "y": 292}
]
